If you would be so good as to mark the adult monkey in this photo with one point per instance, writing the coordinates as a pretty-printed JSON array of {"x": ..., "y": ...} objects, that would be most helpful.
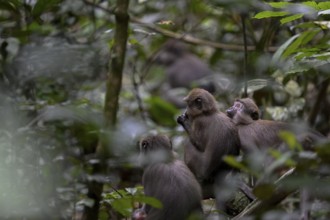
[
  {"x": 212, "y": 135},
  {"x": 183, "y": 69},
  {"x": 257, "y": 134},
  {"x": 169, "y": 180}
]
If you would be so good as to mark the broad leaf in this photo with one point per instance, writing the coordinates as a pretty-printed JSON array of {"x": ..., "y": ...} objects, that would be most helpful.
[
  {"x": 43, "y": 6},
  {"x": 291, "y": 18},
  {"x": 270, "y": 14},
  {"x": 282, "y": 48},
  {"x": 324, "y": 5}
]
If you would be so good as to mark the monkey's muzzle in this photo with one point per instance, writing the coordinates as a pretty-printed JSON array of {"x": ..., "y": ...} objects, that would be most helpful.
[
  {"x": 230, "y": 112},
  {"x": 182, "y": 118}
]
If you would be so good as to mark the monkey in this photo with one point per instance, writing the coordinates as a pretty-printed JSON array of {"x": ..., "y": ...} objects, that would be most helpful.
[
  {"x": 182, "y": 69},
  {"x": 212, "y": 135},
  {"x": 258, "y": 134},
  {"x": 169, "y": 180},
  {"x": 211, "y": 132}
]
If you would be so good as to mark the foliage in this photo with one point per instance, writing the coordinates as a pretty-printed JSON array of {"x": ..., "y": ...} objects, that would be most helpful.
[
  {"x": 124, "y": 200},
  {"x": 55, "y": 57}
]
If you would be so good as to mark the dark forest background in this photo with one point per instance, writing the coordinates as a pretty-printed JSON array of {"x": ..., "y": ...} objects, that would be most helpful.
[{"x": 82, "y": 80}]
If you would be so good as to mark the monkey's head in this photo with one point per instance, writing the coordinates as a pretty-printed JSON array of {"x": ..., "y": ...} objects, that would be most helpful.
[
  {"x": 171, "y": 51},
  {"x": 244, "y": 111},
  {"x": 155, "y": 148},
  {"x": 200, "y": 102}
]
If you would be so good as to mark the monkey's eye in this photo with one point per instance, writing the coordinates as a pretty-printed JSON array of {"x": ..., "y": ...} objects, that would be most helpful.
[
  {"x": 198, "y": 103},
  {"x": 144, "y": 145},
  {"x": 255, "y": 115},
  {"x": 237, "y": 105},
  {"x": 198, "y": 100}
]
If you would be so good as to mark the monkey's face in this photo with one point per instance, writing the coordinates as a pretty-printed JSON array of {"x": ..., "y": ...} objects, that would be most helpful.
[
  {"x": 243, "y": 111},
  {"x": 199, "y": 102},
  {"x": 232, "y": 111},
  {"x": 154, "y": 149}
]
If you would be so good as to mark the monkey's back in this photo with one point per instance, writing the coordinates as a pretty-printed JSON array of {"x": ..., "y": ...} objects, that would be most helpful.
[
  {"x": 261, "y": 134},
  {"x": 185, "y": 70},
  {"x": 176, "y": 187},
  {"x": 219, "y": 134}
]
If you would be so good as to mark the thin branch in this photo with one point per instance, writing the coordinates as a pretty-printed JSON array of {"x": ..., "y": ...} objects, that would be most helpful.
[
  {"x": 136, "y": 91},
  {"x": 259, "y": 206},
  {"x": 183, "y": 36},
  {"x": 114, "y": 81},
  {"x": 319, "y": 100},
  {"x": 245, "y": 57}
]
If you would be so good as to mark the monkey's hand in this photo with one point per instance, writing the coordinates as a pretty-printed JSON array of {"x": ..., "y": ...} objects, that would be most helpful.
[
  {"x": 139, "y": 214},
  {"x": 181, "y": 119},
  {"x": 184, "y": 121}
]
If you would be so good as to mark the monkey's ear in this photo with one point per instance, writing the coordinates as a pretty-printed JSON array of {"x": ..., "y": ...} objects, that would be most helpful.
[{"x": 255, "y": 115}]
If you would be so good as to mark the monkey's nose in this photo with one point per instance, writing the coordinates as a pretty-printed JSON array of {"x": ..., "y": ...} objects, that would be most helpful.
[
  {"x": 229, "y": 113},
  {"x": 181, "y": 118}
]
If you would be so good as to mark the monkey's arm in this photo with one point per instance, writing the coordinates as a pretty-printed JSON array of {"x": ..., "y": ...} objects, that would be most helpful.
[
  {"x": 200, "y": 163},
  {"x": 184, "y": 122},
  {"x": 194, "y": 137}
]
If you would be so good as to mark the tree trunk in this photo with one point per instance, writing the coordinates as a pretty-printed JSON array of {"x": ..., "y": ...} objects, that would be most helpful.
[{"x": 114, "y": 81}]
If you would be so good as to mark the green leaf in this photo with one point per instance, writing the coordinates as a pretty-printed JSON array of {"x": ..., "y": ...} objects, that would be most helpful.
[
  {"x": 270, "y": 14},
  {"x": 291, "y": 18},
  {"x": 11, "y": 5},
  {"x": 292, "y": 47},
  {"x": 324, "y": 5},
  {"x": 150, "y": 201},
  {"x": 278, "y": 54},
  {"x": 312, "y": 4},
  {"x": 302, "y": 39},
  {"x": 43, "y": 6},
  {"x": 161, "y": 111},
  {"x": 323, "y": 152},
  {"x": 291, "y": 140},
  {"x": 232, "y": 161},
  {"x": 309, "y": 35},
  {"x": 264, "y": 190},
  {"x": 123, "y": 206}
]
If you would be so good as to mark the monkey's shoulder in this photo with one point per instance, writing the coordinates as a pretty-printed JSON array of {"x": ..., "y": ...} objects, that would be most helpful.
[
  {"x": 169, "y": 169},
  {"x": 216, "y": 118},
  {"x": 167, "y": 175},
  {"x": 265, "y": 126},
  {"x": 261, "y": 133}
]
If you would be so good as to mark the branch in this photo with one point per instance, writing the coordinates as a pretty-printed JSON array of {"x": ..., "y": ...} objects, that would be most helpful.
[
  {"x": 319, "y": 100},
  {"x": 181, "y": 36},
  {"x": 259, "y": 206},
  {"x": 114, "y": 82},
  {"x": 117, "y": 63}
]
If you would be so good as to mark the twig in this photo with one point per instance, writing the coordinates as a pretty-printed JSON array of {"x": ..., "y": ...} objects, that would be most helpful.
[
  {"x": 319, "y": 100},
  {"x": 258, "y": 206},
  {"x": 184, "y": 37},
  {"x": 137, "y": 92},
  {"x": 245, "y": 57}
]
